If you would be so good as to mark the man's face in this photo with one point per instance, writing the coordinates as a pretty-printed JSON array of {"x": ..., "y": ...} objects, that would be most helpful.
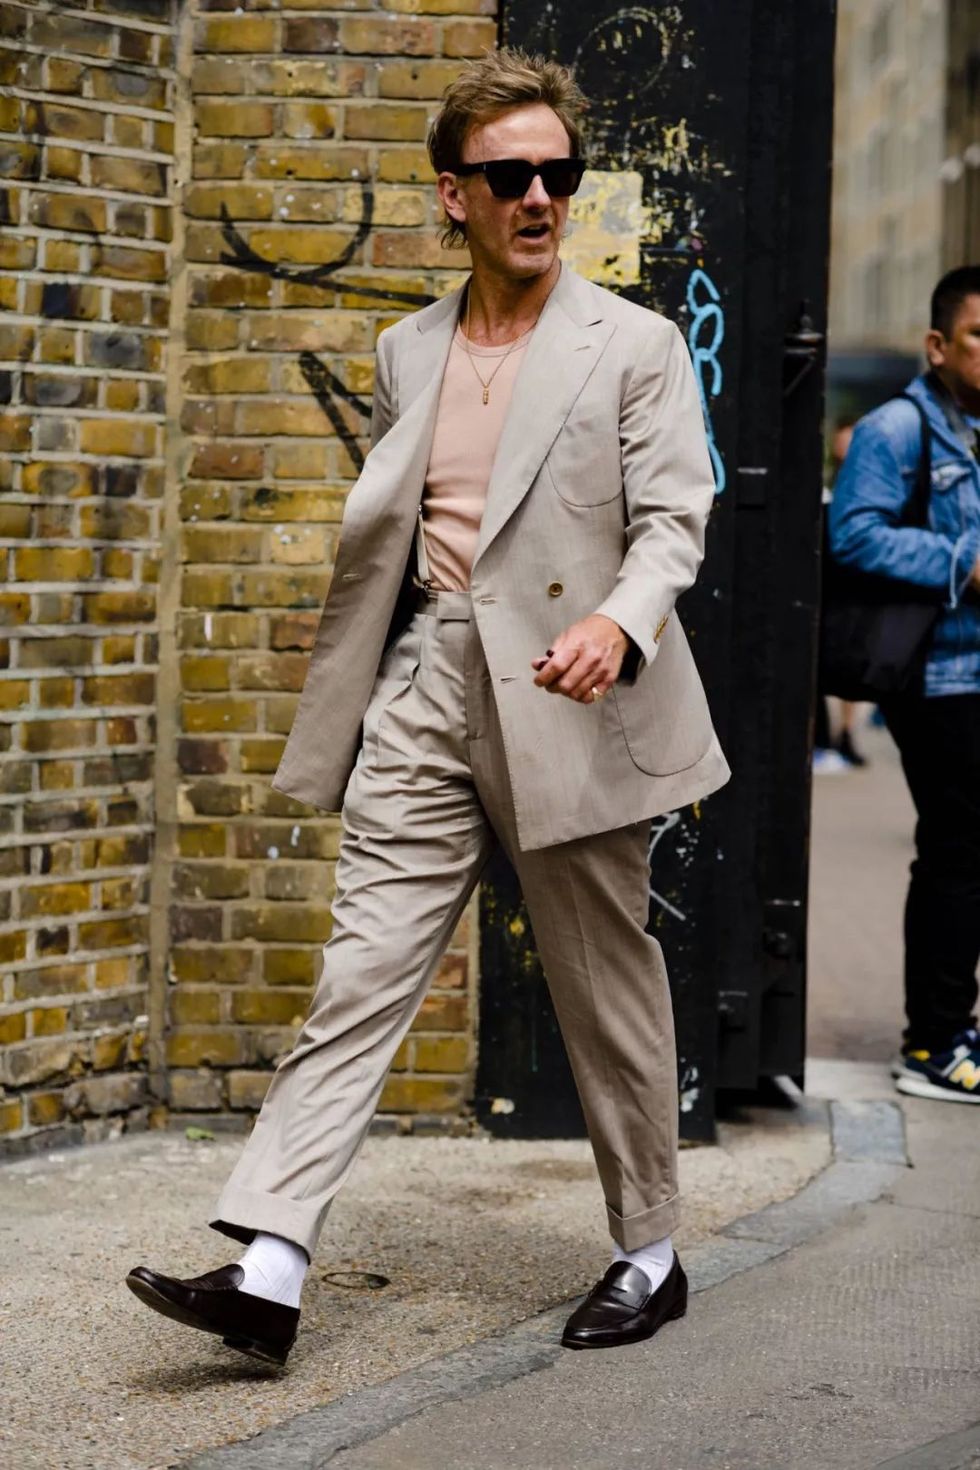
[
  {"x": 957, "y": 357},
  {"x": 517, "y": 238}
]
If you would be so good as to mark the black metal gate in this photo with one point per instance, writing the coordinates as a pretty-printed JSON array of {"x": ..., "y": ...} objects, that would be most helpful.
[{"x": 725, "y": 112}]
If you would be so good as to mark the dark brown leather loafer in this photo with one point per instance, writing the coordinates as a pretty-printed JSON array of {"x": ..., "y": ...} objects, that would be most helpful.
[
  {"x": 621, "y": 1308},
  {"x": 213, "y": 1303}
]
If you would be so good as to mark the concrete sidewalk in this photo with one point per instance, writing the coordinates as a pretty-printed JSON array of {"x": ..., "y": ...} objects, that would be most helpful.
[
  {"x": 433, "y": 1245},
  {"x": 837, "y": 1331},
  {"x": 832, "y": 1247}
]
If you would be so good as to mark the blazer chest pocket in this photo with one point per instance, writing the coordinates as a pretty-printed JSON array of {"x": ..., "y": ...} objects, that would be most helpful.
[{"x": 584, "y": 466}]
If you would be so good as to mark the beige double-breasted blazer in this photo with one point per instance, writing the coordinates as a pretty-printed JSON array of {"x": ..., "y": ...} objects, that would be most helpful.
[{"x": 597, "y": 502}]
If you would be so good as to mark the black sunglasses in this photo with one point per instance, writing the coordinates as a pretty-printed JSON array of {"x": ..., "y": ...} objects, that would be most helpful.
[{"x": 510, "y": 178}]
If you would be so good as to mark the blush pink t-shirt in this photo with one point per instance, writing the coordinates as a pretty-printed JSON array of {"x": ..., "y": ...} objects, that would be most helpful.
[{"x": 463, "y": 447}]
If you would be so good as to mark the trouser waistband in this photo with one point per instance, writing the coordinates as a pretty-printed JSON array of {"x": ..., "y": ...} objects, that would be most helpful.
[{"x": 456, "y": 607}]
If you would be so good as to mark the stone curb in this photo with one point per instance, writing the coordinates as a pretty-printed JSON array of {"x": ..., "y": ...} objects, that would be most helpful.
[{"x": 868, "y": 1142}]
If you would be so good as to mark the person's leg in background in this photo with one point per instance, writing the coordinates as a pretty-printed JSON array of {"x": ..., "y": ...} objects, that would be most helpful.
[{"x": 939, "y": 743}]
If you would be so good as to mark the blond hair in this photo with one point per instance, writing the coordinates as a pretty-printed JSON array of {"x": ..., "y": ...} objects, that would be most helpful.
[{"x": 487, "y": 88}]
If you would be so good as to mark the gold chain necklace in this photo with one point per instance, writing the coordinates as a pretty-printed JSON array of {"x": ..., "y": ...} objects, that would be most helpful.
[{"x": 485, "y": 382}]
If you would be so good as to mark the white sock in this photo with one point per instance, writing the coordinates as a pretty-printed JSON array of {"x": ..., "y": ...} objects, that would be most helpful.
[
  {"x": 274, "y": 1268},
  {"x": 654, "y": 1259}
]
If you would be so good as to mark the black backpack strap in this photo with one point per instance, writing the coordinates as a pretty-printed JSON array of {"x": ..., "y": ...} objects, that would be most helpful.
[{"x": 916, "y": 512}]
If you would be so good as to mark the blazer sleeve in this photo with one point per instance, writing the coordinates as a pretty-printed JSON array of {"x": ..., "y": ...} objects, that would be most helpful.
[
  {"x": 383, "y": 413},
  {"x": 669, "y": 486}
]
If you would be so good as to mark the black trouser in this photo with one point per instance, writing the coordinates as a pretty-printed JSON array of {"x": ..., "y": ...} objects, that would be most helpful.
[{"x": 939, "y": 742}]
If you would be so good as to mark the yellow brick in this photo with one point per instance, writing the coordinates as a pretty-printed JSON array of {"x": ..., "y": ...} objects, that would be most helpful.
[
  {"x": 300, "y": 246},
  {"x": 193, "y": 1006},
  {"x": 389, "y": 37},
  {"x": 421, "y": 1095},
  {"x": 122, "y": 396},
  {"x": 57, "y": 776},
  {"x": 11, "y": 1116},
  {"x": 63, "y": 163},
  {"x": 45, "y": 1108},
  {"x": 422, "y": 79},
  {"x": 299, "y": 461},
  {"x": 110, "y": 933},
  {"x": 235, "y": 119},
  {"x": 13, "y": 1027},
  {"x": 312, "y": 120},
  {"x": 53, "y": 564},
  {"x": 16, "y": 693},
  {"x": 206, "y": 1048},
  {"x": 298, "y": 546},
  {"x": 49, "y": 1020},
  {"x": 276, "y": 416},
  {"x": 329, "y": 161},
  {"x": 219, "y": 715},
  {"x": 391, "y": 207},
  {"x": 118, "y": 437},
  {"x": 56, "y": 898},
  {"x": 243, "y": 201},
  {"x": 408, "y": 165},
  {"x": 205, "y": 672},
  {"x": 441, "y": 1054},
  {"x": 469, "y": 37},
  {"x": 385, "y": 120},
  {"x": 204, "y": 839},
  {"x": 237, "y": 33}
]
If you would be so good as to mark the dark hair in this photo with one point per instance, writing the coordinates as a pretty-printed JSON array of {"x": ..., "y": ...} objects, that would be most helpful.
[
  {"x": 949, "y": 296},
  {"x": 496, "y": 83}
]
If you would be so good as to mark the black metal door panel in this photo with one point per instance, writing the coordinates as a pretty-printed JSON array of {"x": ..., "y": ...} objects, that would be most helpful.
[{"x": 717, "y": 109}]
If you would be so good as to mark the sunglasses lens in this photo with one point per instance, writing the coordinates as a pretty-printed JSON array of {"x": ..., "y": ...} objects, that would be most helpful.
[
  {"x": 562, "y": 176},
  {"x": 509, "y": 178}
]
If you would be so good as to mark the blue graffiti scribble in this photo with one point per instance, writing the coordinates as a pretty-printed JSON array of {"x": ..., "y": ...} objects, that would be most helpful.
[{"x": 703, "y": 302}]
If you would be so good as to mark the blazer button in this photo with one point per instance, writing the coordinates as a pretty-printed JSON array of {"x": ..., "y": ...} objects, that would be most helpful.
[{"x": 555, "y": 590}]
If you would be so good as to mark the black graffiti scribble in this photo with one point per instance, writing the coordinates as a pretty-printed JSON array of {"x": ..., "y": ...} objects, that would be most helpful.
[
  {"x": 327, "y": 388},
  {"x": 325, "y": 385},
  {"x": 244, "y": 256}
]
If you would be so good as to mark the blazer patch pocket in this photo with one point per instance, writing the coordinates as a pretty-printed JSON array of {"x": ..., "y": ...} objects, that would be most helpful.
[{"x": 665, "y": 717}]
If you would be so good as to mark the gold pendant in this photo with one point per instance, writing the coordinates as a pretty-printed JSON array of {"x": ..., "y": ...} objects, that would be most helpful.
[{"x": 486, "y": 395}]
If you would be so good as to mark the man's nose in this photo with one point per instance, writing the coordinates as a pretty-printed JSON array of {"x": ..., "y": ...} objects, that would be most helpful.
[{"x": 537, "y": 196}]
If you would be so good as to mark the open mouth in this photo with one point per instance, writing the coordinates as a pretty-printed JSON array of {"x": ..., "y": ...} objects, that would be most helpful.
[{"x": 534, "y": 232}]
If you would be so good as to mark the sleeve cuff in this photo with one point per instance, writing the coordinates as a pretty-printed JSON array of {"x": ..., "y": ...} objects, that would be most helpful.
[
  {"x": 964, "y": 559},
  {"x": 643, "y": 638}
]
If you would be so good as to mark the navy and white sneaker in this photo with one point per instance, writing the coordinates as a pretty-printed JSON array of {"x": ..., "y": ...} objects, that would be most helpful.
[
  {"x": 906, "y": 1062},
  {"x": 948, "y": 1076}
]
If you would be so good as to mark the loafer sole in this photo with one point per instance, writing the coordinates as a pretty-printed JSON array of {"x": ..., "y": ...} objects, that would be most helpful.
[{"x": 266, "y": 1352}]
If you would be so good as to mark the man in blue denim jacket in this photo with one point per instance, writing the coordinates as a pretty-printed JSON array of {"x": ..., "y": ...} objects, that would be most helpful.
[{"x": 937, "y": 729}]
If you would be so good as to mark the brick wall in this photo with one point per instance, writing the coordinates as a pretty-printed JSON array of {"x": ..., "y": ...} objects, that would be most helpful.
[
  {"x": 86, "y": 142},
  {"x": 305, "y": 222}
]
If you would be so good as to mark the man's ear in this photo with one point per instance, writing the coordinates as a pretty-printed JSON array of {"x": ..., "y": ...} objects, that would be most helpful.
[
  {"x": 935, "y": 345},
  {"x": 450, "y": 198}
]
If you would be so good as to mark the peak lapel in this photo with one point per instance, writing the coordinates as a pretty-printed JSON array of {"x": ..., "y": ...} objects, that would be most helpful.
[{"x": 567, "y": 343}]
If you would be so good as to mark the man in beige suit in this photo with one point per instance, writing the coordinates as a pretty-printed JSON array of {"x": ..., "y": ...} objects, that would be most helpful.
[{"x": 498, "y": 660}]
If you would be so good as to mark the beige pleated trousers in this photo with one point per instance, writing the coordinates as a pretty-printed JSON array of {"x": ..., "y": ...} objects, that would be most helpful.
[{"x": 428, "y": 800}]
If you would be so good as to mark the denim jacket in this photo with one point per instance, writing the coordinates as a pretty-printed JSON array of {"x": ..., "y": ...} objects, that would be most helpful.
[{"x": 873, "y": 487}]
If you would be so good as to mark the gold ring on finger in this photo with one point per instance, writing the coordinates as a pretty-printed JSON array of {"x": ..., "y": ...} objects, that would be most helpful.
[{"x": 596, "y": 696}]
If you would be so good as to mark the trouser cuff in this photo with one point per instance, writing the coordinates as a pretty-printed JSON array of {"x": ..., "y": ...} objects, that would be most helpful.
[
  {"x": 634, "y": 1231},
  {"x": 240, "y": 1213}
]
